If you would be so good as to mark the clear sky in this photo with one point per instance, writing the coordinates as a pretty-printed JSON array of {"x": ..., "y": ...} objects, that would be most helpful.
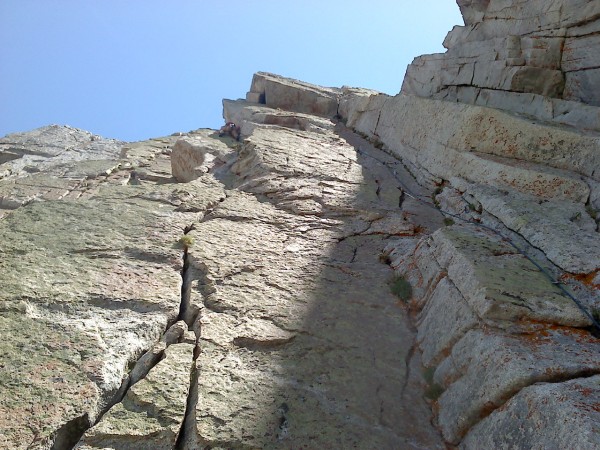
[{"x": 135, "y": 69}]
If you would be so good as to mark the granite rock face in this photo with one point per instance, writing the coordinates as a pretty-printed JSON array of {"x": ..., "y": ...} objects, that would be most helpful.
[
  {"x": 278, "y": 92},
  {"x": 358, "y": 271},
  {"x": 532, "y": 57},
  {"x": 90, "y": 277},
  {"x": 245, "y": 307},
  {"x": 151, "y": 414},
  {"x": 521, "y": 424}
]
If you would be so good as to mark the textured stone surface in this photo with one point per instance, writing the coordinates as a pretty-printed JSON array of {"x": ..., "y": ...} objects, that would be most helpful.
[
  {"x": 564, "y": 231},
  {"x": 292, "y": 95},
  {"x": 544, "y": 416},
  {"x": 458, "y": 130},
  {"x": 47, "y": 148},
  {"x": 248, "y": 116},
  {"x": 194, "y": 155},
  {"x": 283, "y": 266},
  {"x": 90, "y": 278},
  {"x": 279, "y": 364},
  {"x": 485, "y": 369},
  {"x": 444, "y": 320},
  {"x": 537, "y": 48},
  {"x": 186, "y": 161},
  {"x": 498, "y": 282},
  {"x": 286, "y": 331},
  {"x": 151, "y": 414}
]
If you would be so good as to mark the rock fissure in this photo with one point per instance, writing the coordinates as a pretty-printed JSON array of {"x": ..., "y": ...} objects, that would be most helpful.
[
  {"x": 185, "y": 313},
  {"x": 186, "y": 437},
  {"x": 297, "y": 338},
  {"x": 500, "y": 405}
]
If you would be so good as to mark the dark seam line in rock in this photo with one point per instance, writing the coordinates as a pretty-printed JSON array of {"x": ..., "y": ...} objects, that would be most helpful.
[
  {"x": 586, "y": 373},
  {"x": 185, "y": 287},
  {"x": 558, "y": 284},
  {"x": 189, "y": 418},
  {"x": 70, "y": 433}
]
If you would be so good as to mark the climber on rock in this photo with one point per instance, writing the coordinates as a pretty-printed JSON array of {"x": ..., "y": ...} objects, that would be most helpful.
[{"x": 231, "y": 129}]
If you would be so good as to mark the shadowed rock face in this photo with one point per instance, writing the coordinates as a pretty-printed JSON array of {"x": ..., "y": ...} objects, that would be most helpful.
[
  {"x": 192, "y": 291},
  {"x": 296, "y": 338}
]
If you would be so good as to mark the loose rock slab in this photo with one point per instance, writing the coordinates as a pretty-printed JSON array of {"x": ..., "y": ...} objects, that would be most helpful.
[{"x": 151, "y": 414}]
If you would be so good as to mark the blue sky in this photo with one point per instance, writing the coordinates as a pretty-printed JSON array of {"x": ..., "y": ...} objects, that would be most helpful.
[{"x": 135, "y": 69}]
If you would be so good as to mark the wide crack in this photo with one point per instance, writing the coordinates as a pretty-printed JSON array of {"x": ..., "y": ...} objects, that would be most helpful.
[
  {"x": 70, "y": 433},
  {"x": 187, "y": 436}
]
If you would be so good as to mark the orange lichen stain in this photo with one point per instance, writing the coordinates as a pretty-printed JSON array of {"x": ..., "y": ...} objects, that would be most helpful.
[
  {"x": 419, "y": 229},
  {"x": 537, "y": 333},
  {"x": 588, "y": 407},
  {"x": 587, "y": 279},
  {"x": 586, "y": 391}
]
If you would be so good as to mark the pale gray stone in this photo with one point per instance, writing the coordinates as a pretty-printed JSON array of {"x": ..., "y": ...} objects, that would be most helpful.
[
  {"x": 90, "y": 282},
  {"x": 297, "y": 337},
  {"x": 544, "y": 416},
  {"x": 486, "y": 368},
  {"x": 443, "y": 321},
  {"x": 582, "y": 85},
  {"x": 564, "y": 231},
  {"x": 277, "y": 354},
  {"x": 151, "y": 414},
  {"x": 187, "y": 160},
  {"x": 473, "y": 10},
  {"x": 294, "y": 95},
  {"x": 247, "y": 116},
  {"x": 52, "y": 148},
  {"x": 457, "y": 130},
  {"x": 516, "y": 46},
  {"x": 498, "y": 282}
]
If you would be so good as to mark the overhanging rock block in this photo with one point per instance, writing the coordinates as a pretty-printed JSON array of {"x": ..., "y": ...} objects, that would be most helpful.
[{"x": 294, "y": 95}]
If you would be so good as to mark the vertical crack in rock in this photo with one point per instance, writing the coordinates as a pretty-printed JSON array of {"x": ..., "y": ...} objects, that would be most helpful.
[
  {"x": 187, "y": 438},
  {"x": 186, "y": 286},
  {"x": 68, "y": 436},
  {"x": 186, "y": 435},
  {"x": 70, "y": 433},
  {"x": 188, "y": 311}
]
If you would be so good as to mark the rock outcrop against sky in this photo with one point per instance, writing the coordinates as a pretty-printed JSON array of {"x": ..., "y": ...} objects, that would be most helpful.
[{"x": 357, "y": 271}]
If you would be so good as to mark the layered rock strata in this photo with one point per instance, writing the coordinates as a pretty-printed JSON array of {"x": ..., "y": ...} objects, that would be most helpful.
[
  {"x": 537, "y": 58},
  {"x": 269, "y": 253},
  {"x": 269, "y": 257},
  {"x": 194, "y": 292}
]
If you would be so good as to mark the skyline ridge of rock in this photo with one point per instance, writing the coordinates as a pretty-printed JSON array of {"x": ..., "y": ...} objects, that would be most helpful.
[{"x": 358, "y": 271}]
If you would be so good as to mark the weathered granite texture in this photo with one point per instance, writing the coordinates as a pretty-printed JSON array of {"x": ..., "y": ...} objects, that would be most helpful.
[
  {"x": 278, "y": 92},
  {"x": 151, "y": 414},
  {"x": 269, "y": 257},
  {"x": 541, "y": 181},
  {"x": 271, "y": 260},
  {"x": 538, "y": 58},
  {"x": 301, "y": 341},
  {"x": 195, "y": 292},
  {"x": 520, "y": 423},
  {"x": 90, "y": 278}
]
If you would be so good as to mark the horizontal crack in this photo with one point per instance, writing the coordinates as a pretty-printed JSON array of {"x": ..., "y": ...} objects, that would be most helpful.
[
  {"x": 586, "y": 373},
  {"x": 261, "y": 344}
]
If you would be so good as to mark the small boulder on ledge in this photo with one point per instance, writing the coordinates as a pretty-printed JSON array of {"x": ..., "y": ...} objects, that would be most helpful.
[{"x": 187, "y": 160}]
